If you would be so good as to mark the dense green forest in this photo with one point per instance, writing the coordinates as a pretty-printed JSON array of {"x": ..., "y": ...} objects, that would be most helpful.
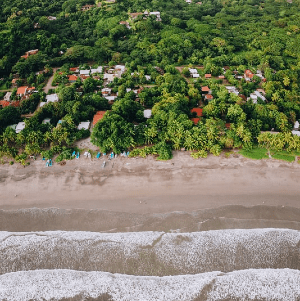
[{"x": 215, "y": 37}]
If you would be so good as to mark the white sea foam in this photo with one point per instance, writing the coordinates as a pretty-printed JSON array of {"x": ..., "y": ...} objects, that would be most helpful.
[
  {"x": 174, "y": 253},
  {"x": 38, "y": 285}
]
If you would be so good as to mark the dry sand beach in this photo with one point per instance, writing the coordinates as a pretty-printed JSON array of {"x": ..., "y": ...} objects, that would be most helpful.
[
  {"x": 139, "y": 229},
  {"x": 138, "y": 185}
]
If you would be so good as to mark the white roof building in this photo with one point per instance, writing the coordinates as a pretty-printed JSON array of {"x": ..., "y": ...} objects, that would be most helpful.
[
  {"x": 106, "y": 91},
  {"x": 255, "y": 95},
  {"x": 98, "y": 70},
  {"x": 84, "y": 125},
  {"x": 84, "y": 72},
  {"x": 193, "y": 71},
  {"x": 110, "y": 98},
  {"x": 195, "y": 75},
  {"x": 20, "y": 127},
  {"x": 147, "y": 113},
  {"x": 46, "y": 120},
  {"x": 232, "y": 89},
  {"x": 148, "y": 77},
  {"x": 109, "y": 77},
  {"x": 52, "y": 98},
  {"x": 296, "y": 133},
  {"x": 7, "y": 96},
  {"x": 120, "y": 68},
  {"x": 42, "y": 103},
  {"x": 296, "y": 125}
]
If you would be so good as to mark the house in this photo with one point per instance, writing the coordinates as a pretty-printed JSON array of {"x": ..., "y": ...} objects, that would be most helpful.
[
  {"x": 14, "y": 82},
  {"x": 188, "y": 1},
  {"x": 22, "y": 91},
  {"x": 46, "y": 120},
  {"x": 148, "y": 77},
  {"x": 120, "y": 69},
  {"x": 106, "y": 91},
  {"x": 157, "y": 14},
  {"x": 20, "y": 127},
  {"x": 52, "y": 98},
  {"x": 198, "y": 112},
  {"x": 29, "y": 53},
  {"x": 98, "y": 116},
  {"x": 232, "y": 89},
  {"x": 108, "y": 78},
  {"x": 110, "y": 98},
  {"x": 84, "y": 72},
  {"x": 126, "y": 24},
  {"x": 74, "y": 69},
  {"x": 51, "y": 18},
  {"x": 296, "y": 125},
  {"x": 221, "y": 77},
  {"x": 7, "y": 96},
  {"x": 195, "y": 75},
  {"x": 208, "y": 97},
  {"x": 4, "y": 103},
  {"x": 248, "y": 75},
  {"x": 255, "y": 95},
  {"x": 134, "y": 15},
  {"x": 99, "y": 69},
  {"x": 296, "y": 133},
  {"x": 84, "y": 125},
  {"x": 193, "y": 71},
  {"x": 147, "y": 113},
  {"x": 205, "y": 89},
  {"x": 207, "y": 75},
  {"x": 86, "y": 7},
  {"x": 72, "y": 78}
]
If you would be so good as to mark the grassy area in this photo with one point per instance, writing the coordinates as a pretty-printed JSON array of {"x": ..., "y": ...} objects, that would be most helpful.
[
  {"x": 262, "y": 153},
  {"x": 256, "y": 153}
]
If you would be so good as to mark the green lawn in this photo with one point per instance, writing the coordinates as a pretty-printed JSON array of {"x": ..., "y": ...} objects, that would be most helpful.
[
  {"x": 256, "y": 153},
  {"x": 262, "y": 153}
]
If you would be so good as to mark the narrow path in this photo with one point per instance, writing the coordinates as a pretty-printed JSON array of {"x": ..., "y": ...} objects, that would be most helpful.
[{"x": 49, "y": 84}]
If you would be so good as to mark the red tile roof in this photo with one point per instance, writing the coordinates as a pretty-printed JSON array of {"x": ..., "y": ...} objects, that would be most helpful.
[
  {"x": 227, "y": 125},
  {"x": 15, "y": 103},
  {"x": 198, "y": 111},
  {"x": 195, "y": 120},
  {"x": 98, "y": 116},
  {"x": 72, "y": 77},
  {"x": 74, "y": 69},
  {"x": 4, "y": 103},
  {"x": 208, "y": 75},
  {"x": 209, "y": 96},
  {"x": 22, "y": 90},
  {"x": 205, "y": 89},
  {"x": 248, "y": 73}
]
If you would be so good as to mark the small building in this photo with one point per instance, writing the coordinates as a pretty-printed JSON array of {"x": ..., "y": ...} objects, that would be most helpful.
[
  {"x": 148, "y": 77},
  {"x": 98, "y": 116},
  {"x": 29, "y": 53},
  {"x": 157, "y": 14},
  {"x": 296, "y": 125},
  {"x": 46, "y": 120},
  {"x": 99, "y": 69},
  {"x": 84, "y": 72},
  {"x": 51, "y": 18},
  {"x": 188, "y": 1},
  {"x": 205, "y": 89},
  {"x": 20, "y": 126},
  {"x": 86, "y": 7},
  {"x": 198, "y": 112},
  {"x": 22, "y": 91},
  {"x": 108, "y": 78},
  {"x": 255, "y": 95},
  {"x": 147, "y": 113},
  {"x": 52, "y": 98},
  {"x": 134, "y": 15},
  {"x": 106, "y": 91},
  {"x": 208, "y": 75},
  {"x": 195, "y": 75},
  {"x": 193, "y": 71},
  {"x": 4, "y": 103},
  {"x": 126, "y": 24},
  {"x": 208, "y": 97},
  {"x": 248, "y": 75},
  {"x": 72, "y": 78},
  {"x": 110, "y": 98},
  {"x": 84, "y": 125},
  {"x": 297, "y": 133},
  {"x": 7, "y": 96},
  {"x": 74, "y": 69},
  {"x": 232, "y": 89}
]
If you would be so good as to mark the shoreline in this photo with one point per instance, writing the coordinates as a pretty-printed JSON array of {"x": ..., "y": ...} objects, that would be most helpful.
[{"x": 138, "y": 185}]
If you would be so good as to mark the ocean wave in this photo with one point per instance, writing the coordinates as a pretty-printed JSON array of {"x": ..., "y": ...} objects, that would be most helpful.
[
  {"x": 150, "y": 253},
  {"x": 269, "y": 284}
]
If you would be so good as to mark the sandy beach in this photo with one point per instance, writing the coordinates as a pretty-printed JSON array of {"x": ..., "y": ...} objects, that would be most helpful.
[{"x": 137, "y": 185}]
